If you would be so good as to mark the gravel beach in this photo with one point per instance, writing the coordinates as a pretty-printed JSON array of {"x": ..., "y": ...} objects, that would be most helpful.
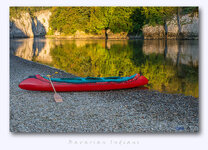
[{"x": 121, "y": 111}]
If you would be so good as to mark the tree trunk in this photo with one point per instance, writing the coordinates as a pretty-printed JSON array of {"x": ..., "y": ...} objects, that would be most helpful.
[
  {"x": 178, "y": 21},
  {"x": 166, "y": 29}
]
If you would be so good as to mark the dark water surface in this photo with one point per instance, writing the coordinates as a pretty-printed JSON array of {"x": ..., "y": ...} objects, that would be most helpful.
[{"x": 170, "y": 65}]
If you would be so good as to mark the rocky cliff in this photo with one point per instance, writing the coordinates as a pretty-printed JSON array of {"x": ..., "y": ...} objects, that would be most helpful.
[
  {"x": 27, "y": 26},
  {"x": 186, "y": 27},
  {"x": 153, "y": 32},
  {"x": 21, "y": 27}
]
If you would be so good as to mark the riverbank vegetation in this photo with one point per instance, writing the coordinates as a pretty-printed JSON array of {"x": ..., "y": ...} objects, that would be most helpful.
[{"x": 101, "y": 20}]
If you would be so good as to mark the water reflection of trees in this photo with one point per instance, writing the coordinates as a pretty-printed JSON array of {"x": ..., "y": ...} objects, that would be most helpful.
[
  {"x": 128, "y": 59},
  {"x": 169, "y": 65}
]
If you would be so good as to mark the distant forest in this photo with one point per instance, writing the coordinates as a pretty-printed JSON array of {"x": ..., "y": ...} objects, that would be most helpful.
[{"x": 97, "y": 20}]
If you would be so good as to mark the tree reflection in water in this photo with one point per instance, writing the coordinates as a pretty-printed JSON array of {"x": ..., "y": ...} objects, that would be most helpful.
[{"x": 170, "y": 65}]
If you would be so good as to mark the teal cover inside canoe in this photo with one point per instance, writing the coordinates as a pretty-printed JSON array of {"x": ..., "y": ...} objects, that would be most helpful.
[{"x": 91, "y": 79}]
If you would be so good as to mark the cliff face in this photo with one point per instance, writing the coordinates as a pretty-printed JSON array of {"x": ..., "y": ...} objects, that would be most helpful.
[
  {"x": 41, "y": 23},
  {"x": 190, "y": 26},
  {"x": 27, "y": 26},
  {"x": 156, "y": 32},
  {"x": 187, "y": 27},
  {"x": 21, "y": 26}
]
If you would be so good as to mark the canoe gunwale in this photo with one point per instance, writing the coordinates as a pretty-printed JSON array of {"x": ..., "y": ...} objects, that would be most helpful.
[{"x": 79, "y": 80}]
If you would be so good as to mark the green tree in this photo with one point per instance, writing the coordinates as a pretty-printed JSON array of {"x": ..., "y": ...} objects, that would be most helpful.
[
  {"x": 138, "y": 19},
  {"x": 158, "y": 15},
  {"x": 91, "y": 19},
  {"x": 68, "y": 20},
  {"x": 117, "y": 19}
]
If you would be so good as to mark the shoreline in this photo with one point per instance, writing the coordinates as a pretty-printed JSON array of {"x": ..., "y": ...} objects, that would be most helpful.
[
  {"x": 119, "y": 111},
  {"x": 103, "y": 38}
]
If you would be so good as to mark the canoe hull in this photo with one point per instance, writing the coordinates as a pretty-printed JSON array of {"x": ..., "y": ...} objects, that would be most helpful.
[{"x": 38, "y": 83}]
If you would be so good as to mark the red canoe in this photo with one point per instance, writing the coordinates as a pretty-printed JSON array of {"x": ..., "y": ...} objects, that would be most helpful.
[{"x": 38, "y": 83}]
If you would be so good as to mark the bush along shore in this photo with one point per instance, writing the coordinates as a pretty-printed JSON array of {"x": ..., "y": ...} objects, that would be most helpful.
[
  {"x": 105, "y": 22},
  {"x": 119, "y": 111}
]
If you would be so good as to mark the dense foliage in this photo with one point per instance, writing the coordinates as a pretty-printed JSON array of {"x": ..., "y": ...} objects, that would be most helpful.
[
  {"x": 91, "y": 19},
  {"x": 158, "y": 15},
  {"x": 97, "y": 20}
]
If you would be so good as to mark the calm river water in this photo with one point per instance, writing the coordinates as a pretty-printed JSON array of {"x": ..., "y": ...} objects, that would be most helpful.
[{"x": 170, "y": 65}]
